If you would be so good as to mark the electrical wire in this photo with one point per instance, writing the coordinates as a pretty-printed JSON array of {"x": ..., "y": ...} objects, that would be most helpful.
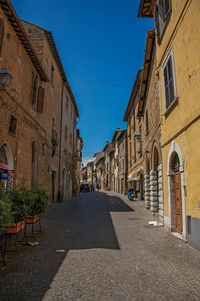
[{"x": 103, "y": 80}]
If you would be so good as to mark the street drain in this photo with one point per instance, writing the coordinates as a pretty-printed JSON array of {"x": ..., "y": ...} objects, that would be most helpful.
[{"x": 60, "y": 251}]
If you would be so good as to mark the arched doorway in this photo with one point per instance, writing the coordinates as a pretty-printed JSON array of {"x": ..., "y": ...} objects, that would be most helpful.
[
  {"x": 6, "y": 167},
  {"x": 176, "y": 201},
  {"x": 176, "y": 194}
]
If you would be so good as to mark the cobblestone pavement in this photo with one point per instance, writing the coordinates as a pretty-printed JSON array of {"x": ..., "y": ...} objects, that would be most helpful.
[{"x": 98, "y": 247}]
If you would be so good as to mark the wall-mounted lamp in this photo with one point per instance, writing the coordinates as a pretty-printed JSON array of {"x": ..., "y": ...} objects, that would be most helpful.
[
  {"x": 5, "y": 78},
  {"x": 137, "y": 136}
]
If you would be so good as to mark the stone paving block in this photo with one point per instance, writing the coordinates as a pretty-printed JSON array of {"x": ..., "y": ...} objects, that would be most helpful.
[{"x": 108, "y": 254}]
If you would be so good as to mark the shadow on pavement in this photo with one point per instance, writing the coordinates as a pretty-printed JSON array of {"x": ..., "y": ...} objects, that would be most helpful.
[{"x": 81, "y": 223}]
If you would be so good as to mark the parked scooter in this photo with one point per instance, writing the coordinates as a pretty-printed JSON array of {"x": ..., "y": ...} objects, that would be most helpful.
[{"x": 131, "y": 193}]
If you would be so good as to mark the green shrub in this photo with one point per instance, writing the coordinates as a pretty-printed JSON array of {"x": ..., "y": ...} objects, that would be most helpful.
[
  {"x": 37, "y": 201},
  {"x": 5, "y": 211},
  {"x": 18, "y": 198}
]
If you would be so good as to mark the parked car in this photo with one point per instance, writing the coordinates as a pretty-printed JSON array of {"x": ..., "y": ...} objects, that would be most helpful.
[{"x": 84, "y": 187}]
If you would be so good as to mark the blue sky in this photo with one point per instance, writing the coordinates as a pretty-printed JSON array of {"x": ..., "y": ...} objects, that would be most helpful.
[{"x": 101, "y": 44}]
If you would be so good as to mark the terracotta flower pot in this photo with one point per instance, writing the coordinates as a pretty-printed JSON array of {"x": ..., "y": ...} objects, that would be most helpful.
[
  {"x": 33, "y": 219},
  {"x": 22, "y": 225},
  {"x": 14, "y": 228}
]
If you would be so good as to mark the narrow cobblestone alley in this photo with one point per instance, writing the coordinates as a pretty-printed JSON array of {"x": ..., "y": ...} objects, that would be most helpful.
[{"x": 98, "y": 247}]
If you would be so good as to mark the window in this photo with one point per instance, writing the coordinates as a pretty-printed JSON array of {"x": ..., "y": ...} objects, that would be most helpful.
[
  {"x": 43, "y": 148},
  {"x": 33, "y": 151},
  {"x": 70, "y": 139},
  {"x": 135, "y": 149},
  {"x": 52, "y": 74},
  {"x": 66, "y": 102},
  {"x": 71, "y": 110},
  {"x": 134, "y": 120},
  {"x": 163, "y": 9},
  {"x": 65, "y": 133},
  {"x": 34, "y": 89},
  {"x": 53, "y": 122},
  {"x": 147, "y": 123},
  {"x": 12, "y": 125},
  {"x": 140, "y": 129},
  {"x": 1, "y": 34},
  {"x": 130, "y": 154},
  {"x": 40, "y": 101},
  {"x": 129, "y": 128},
  {"x": 169, "y": 81}
]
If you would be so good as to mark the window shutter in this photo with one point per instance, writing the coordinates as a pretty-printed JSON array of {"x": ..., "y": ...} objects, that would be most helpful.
[
  {"x": 147, "y": 123},
  {"x": 34, "y": 90},
  {"x": 1, "y": 34},
  {"x": 40, "y": 101}
]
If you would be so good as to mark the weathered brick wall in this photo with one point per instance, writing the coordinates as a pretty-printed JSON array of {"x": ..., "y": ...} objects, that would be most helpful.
[
  {"x": 153, "y": 177},
  {"x": 16, "y": 101},
  {"x": 31, "y": 125},
  {"x": 51, "y": 116}
]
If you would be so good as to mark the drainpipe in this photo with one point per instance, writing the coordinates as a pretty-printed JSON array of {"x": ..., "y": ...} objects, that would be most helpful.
[{"x": 60, "y": 151}]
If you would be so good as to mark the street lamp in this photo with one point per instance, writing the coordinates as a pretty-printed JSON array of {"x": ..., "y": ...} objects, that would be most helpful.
[{"x": 5, "y": 78}]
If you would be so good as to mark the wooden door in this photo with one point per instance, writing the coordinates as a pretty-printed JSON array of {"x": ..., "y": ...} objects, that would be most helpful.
[{"x": 177, "y": 186}]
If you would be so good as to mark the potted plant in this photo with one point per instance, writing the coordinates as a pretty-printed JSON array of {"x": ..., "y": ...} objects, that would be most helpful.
[
  {"x": 5, "y": 212},
  {"x": 37, "y": 203},
  {"x": 18, "y": 208}
]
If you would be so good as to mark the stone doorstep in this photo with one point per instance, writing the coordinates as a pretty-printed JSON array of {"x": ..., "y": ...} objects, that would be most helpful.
[{"x": 179, "y": 236}]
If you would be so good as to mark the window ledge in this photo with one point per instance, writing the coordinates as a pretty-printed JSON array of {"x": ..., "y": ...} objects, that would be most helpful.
[
  {"x": 12, "y": 134},
  {"x": 171, "y": 107}
]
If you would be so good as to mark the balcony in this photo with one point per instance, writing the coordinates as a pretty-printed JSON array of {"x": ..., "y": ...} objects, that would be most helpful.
[{"x": 77, "y": 155}]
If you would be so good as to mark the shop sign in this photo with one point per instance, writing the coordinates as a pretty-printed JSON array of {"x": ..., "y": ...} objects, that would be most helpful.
[
  {"x": 3, "y": 166},
  {"x": 3, "y": 175}
]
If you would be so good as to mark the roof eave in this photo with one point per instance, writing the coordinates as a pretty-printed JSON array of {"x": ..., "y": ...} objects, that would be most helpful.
[
  {"x": 14, "y": 21},
  {"x": 133, "y": 94},
  {"x": 145, "y": 9},
  {"x": 146, "y": 67}
]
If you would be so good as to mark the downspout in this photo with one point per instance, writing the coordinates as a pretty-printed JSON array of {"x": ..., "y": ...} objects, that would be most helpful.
[{"x": 60, "y": 151}]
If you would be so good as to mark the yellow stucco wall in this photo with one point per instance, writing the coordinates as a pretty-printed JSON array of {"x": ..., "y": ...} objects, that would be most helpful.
[{"x": 182, "y": 36}]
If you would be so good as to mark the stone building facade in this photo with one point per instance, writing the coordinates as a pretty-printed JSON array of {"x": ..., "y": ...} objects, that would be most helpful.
[
  {"x": 24, "y": 143},
  {"x": 78, "y": 158},
  {"x": 106, "y": 179},
  {"x": 122, "y": 159},
  {"x": 31, "y": 106},
  {"x": 177, "y": 53},
  {"x": 42, "y": 42},
  {"x": 119, "y": 141},
  {"x": 135, "y": 149},
  {"x": 90, "y": 172},
  {"x": 149, "y": 112},
  {"x": 68, "y": 146},
  {"x": 99, "y": 169}
]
